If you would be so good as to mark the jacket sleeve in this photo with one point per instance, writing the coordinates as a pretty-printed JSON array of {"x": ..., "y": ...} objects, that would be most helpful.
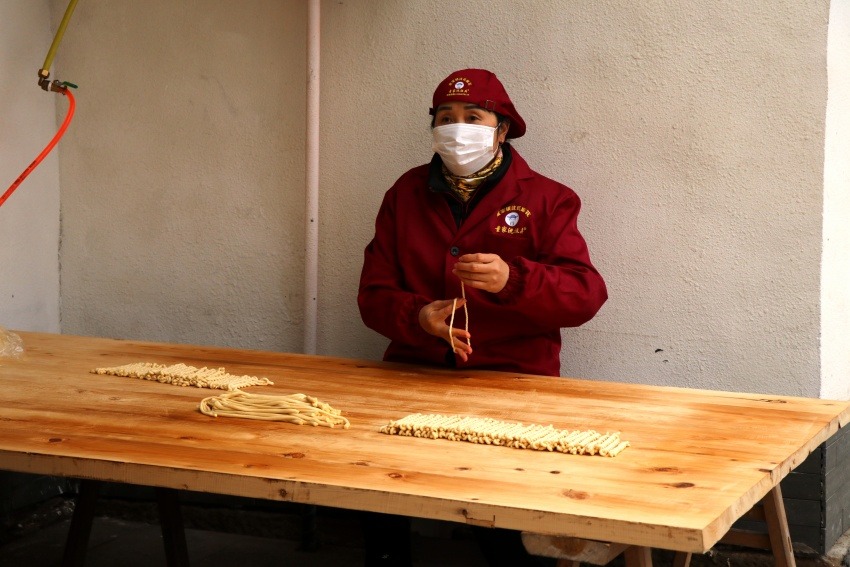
[
  {"x": 384, "y": 305},
  {"x": 560, "y": 287}
]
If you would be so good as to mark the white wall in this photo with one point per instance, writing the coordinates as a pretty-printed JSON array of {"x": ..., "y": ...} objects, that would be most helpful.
[
  {"x": 29, "y": 219},
  {"x": 835, "y": 287},
  {"x": 694, "y": 134}
]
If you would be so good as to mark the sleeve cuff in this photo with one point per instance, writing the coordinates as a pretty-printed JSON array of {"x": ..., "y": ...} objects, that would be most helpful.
[{"x": 514, "y": 287}]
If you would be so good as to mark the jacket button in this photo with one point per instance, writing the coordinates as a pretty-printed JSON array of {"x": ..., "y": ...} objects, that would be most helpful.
[{"x": 454, "y": 250}]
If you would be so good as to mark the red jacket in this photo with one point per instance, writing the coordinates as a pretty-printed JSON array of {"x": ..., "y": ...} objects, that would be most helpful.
[{"x": 530, "y": 222}]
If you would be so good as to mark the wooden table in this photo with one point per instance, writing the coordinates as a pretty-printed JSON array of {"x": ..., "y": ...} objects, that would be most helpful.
[{"x": 698, "y": 459}]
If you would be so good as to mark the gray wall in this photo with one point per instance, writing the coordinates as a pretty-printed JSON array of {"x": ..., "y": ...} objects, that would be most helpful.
[{"x": 29, "y": 220}]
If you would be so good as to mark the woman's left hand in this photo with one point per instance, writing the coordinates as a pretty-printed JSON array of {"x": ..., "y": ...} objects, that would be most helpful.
[{"x": 482, "y": 271}]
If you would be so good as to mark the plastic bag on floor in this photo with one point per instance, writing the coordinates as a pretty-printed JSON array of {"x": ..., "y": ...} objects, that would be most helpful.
[{"x": 11, "y": 345}]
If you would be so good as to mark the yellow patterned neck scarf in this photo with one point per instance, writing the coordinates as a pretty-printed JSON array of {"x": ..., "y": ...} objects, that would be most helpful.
[{"x": 464, "y": 186}]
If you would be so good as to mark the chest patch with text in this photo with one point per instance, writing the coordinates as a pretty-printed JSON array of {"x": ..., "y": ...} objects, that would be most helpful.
[{"x": 512, "y": 219}]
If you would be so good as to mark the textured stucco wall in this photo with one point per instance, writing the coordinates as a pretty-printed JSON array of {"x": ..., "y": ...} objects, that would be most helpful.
[
  {"x": 182, "y": 210},
  {"x": 29, "y": 220},
  {"x": 694, "y": 134}
]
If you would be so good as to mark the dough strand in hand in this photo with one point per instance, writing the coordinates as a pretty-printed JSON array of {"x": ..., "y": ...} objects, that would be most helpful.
[{"x": 452, "y": 320}]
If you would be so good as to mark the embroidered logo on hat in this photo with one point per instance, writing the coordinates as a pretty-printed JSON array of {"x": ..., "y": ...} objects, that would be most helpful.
[
  {"x": 459, "y": 87},
  {"x": 482, "y": 88}
]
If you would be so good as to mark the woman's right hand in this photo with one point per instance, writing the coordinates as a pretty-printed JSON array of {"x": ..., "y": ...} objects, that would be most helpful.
[{"x": 434, "y": 319}]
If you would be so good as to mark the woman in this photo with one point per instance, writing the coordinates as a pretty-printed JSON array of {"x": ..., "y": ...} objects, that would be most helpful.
[
  {"x": 478, "y": 223},
  {"x": 475, "y": 229}
]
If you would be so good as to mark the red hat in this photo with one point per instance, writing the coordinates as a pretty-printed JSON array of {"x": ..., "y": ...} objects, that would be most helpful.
[{"x": 483, "y": 89}]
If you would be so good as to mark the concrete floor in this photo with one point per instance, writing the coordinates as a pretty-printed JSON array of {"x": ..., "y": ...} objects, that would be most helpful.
[
  {"x": 133, "y": 544},
  {"x": 127, "y": 534}
]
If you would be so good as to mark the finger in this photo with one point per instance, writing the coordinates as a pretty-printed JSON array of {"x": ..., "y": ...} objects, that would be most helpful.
[
  {"x": 441, "y": 305},
  {"x": 451, "y": 306},
  {"x": 477, "y": 257},
  {"x": 475, "y": 268},
  {"x": 439, "y": 310},
  {"x": 473, "y": 279},
  {"x": 470, "y": 267},
  {"x": 472, "y": 274},
  {"x": 461, "y": 335},
  {"x": 461, "y": 348},
  {"x": 475, "y": 284}
]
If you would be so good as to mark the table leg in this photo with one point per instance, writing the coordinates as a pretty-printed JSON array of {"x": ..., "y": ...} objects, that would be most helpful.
[
  {"x": 309, "y": 530},
  {"x": 171, "y": 523},
  {"x": 777, "y": 528},
  {"x": 78, "y": 533},
  {"x": 681, "y": 559},
  {"x": 638, "y": 556}
]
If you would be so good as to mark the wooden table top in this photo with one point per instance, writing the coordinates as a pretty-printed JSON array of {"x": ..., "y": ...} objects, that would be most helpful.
[{"x": 698, "y": 459}]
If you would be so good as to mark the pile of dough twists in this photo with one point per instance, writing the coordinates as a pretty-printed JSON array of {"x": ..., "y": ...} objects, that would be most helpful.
[
  {"x": 294, "y": 408},
  {"x": 184, "y": 375},
  {"x": 494, "y": 432}
]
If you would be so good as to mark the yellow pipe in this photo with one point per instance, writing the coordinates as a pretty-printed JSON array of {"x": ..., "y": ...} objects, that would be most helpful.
[{"x": 48, "y": 61}]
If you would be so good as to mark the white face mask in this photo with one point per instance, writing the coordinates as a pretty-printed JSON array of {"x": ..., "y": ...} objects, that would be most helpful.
[{"x": 465, "y": 148}]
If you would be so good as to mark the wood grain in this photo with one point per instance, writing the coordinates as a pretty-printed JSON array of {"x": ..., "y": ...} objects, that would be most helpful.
[{"x": 698, "y": 459}]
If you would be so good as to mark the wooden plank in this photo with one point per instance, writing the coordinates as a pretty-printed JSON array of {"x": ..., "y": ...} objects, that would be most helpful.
[
  {"x": 698, "y": 460},
  {"x": 747, "y": 538},
  {"x": 637, "y": 556},
  {"x": 777, "y": 527},
  {"x": 756, "y": 513}
]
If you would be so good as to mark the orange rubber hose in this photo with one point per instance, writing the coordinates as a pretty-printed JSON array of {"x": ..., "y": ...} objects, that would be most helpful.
[{"x": 46, "y": 150}]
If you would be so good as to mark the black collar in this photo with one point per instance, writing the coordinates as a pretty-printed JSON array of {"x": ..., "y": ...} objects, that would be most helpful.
[
  {"x": 437, "y": 181},
  {"x": 460, "y": 210}
]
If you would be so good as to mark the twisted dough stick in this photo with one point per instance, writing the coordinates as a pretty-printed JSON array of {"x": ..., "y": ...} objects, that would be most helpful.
[
  {"x": 494, "y": 432},
  {"x": 294, "y": 408},
  {"x": 183, "y": 375},
  {"x": 452, "y": 320}
]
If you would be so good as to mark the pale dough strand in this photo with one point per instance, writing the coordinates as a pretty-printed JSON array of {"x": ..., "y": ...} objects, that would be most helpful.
[
  {"x": 465, "y": 315},
  {"x": 452, "y": 324},
  {"x": 494, "y": 432},
  {"x": 293, "y": 408},
  {"x": 183, "y": 375},
  {"x": 465, "y": 312}
]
